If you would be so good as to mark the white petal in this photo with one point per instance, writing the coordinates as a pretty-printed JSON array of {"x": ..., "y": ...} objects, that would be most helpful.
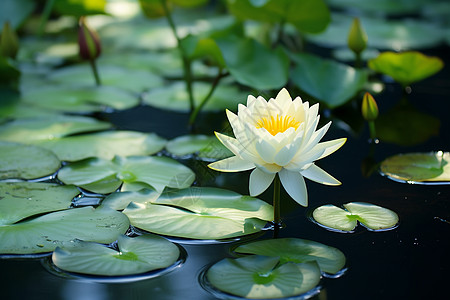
[
  {"x": 295, "y": 186},
  {"x": 260, "y": 181},
  {"x": 316, "y": 137},
  {"x": 287, "y": 153},
  {"x": 269, "y": 168},
  {"x": 265, "y": 150},
  {"x": 330, "y": 146},
  {"x": 232, "y": 164},
  {"x": 250, "y": 100},
  {"x": 317, "y": 174},
  {"x": 231, "y": 143}
]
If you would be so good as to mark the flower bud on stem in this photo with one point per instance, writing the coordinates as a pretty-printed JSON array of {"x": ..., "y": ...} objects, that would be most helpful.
[
  {"x": 369, "y": 109},
  {"x": 89, "y": 46}
]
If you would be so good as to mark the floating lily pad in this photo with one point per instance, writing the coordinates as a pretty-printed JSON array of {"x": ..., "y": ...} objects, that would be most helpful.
[
  {"x": 45, "y": 233},
  {"x": 373, "y": 217},
  {"x": 80, "y": 99},
  {"x": 105, "y": 176},
  {"x": 26, "y": 161},
  {"x": 120, "y": 200},
  {"x": 329, "y": 259},
  {"x": 205, "y": 146},
  {"x": 381, "y": 6},
  {"x": 37, "y": 129},
  {"x": 19, "y": 200},
  {"x": 407, "y": 67},
  {"x": 134, "y": 256},
  {"x": 330, "y": 82},
  {"x": 105, "y": 145},
  {"x": 261, "y": 277},
  {"x": 201, "y": 213},
  {"x": 175, "y": 97},
  {"x": 418, "y": 167}
]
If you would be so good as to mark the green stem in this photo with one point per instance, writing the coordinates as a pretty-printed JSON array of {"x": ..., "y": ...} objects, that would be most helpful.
[
  {"x": 373, "y": 133},
  {"x": 358, "y": 61},
  {"x": 45, "y": 16},
  {"x": 276, "y": 205},
  {"x": 95, "y": 71},
  {"x": 186, "y": 62}
]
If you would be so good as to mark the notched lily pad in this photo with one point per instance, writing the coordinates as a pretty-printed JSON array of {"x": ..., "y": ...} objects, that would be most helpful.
[
  {"x": 201, "y": 213},
  {"x": 373, "y": 217},
  {"x": 206, "y": 147},
  {"x": 136, "y": 255},
  {"x": 329, "y": 259},
  {"x": 425, "y": 168},
  {"x": 26, "y": 161},
  {"x": 261, "y": 277}
]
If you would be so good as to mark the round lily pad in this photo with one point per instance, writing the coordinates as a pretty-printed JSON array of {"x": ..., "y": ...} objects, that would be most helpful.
[
  {"x": 262, "y": 277},
  {"x": 423, "y": 168},
  {"x": 133, "y": 256},
  {"x": 26, "y": 161},
  {"x": 329, "y": 259},
  {"x": 105, "y": 145},
  {"x": 120, "y": 200},
  {"x": 373, "y": 217},
  {"x": 45, "y": 233},
  {"x": 207, "y": 147},
  {"x": 201, "y": 213},
  {"x": 19, "y": 200},
  {"x": 105, "y": 176}
]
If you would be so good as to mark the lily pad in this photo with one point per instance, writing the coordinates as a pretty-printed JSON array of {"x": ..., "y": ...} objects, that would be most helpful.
[
  {"x": 45, "y": 233},
  {"x": 105, "y": 145},
  {"x": 105, "y": 176},
  {"x": 120, "y": 200},
  {"x": 175, "y": 97},
  {"x": 373, "y": 217},
  {"x": 80, "y": 99},
  {"x": 207, "y": 147},
  {"x": 381, "y": 6},
  {"x": 26, "y": 161},
  {"x": 201, "y": 213},
  {"x": 329, "y": 259},
  {"x": 19, "y": 200},
  {"x": 38, "y": 129},
  {"x": 330, "y": 82},
  {"x": 407, "y": 67},
  {"x": 430, "y": 167},
  {"x": 134, "y": 256},
  {"x": 261, "y": 277}
]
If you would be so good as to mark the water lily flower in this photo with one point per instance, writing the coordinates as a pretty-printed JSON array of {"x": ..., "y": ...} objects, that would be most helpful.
[{"x": 278, "y": 136}]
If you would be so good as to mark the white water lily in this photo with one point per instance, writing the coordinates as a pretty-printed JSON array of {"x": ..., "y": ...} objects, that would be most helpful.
[{"x": 278, "y": 136}]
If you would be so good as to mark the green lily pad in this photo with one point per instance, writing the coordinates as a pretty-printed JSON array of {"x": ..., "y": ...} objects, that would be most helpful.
[
  {"x": 381, "y": 6},
  {"x": 19, "y": 200},
  {"x": 373, "y": 217},
  {"x": 26, "y": 161},
  {"x": 105, "y": 176},
  {"x": 45, "y": 233},
  {"x": 110, "y": 75},
  {"x": 38, "y": 129},
  {"x": 418, "y": 167},
  {"x": 16, "y": 11},
  {"x": 120, "y": 200},
  {"x": 330, "y": 82},
  {"x": 207, "y": 147},
  {"x": 134, "y": 256},
  {"x": 261, "y": 277},
  {"x": 79, "y": 99},
  {"x": 329, "y": 259},
  {"x": 407, "y": 67},
  {"x": 175, "y": 97},
  {"x": 201, "y": 213},
  {"x": 105, "y": 145}
]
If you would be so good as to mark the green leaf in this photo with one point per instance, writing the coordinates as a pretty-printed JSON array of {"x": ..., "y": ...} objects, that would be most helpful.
[
  {"x": 19, "y": 200},
  {"x": 330, "y": 82},
  {"x": 44, "y": 128},
  {"x": 260, "y": 277},
  {"x": 104, "y": 176},
  {"x": 9, "y": 75},
  {"x": 203, "y": 48},
  {"x": 134, "y": 256},
  {"x": 381, "y": 6},
  {"x": 189, "y": 3},
  {"x": 205, "y": 146},
  {"x": 120, "y": 200},
  {"x": 329, "y": 259},
  {"x": 418, "y": 167},
  {"x": 26, "y": 162},
  {"x": 80, "y": 8},
  {"x": 174, "y": 97},
  {"x": 45, "y": 233},
  {"x": 407, "y": 67},
  {"x": 105, "y": 145},
  {"x": 16, "y": 11},
  {"x": 244, "y": 59},
  {"x": 201, "y": 213},
  {"x": 373, "y": 217}
]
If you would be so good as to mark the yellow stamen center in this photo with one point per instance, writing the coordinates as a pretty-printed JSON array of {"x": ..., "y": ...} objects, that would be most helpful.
[{"x": 277, "y": 124}]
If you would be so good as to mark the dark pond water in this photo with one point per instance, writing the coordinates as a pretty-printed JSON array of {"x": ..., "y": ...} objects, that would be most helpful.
[{"x": 409, "y": 262}]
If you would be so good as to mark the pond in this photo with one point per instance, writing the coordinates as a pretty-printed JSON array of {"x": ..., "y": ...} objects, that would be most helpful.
[{"x": 409, "y": 261}]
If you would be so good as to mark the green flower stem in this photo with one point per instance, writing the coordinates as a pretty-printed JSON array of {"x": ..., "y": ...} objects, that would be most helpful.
[
  {"x": 186, "y": 62},
  {"x": 45, "y": 15},
  {"x": 373, "y": 133},
  {"x": 276, "y": 205},
  {"x": 358, "y": 60},
  {"x": 95, "y": 71}
]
